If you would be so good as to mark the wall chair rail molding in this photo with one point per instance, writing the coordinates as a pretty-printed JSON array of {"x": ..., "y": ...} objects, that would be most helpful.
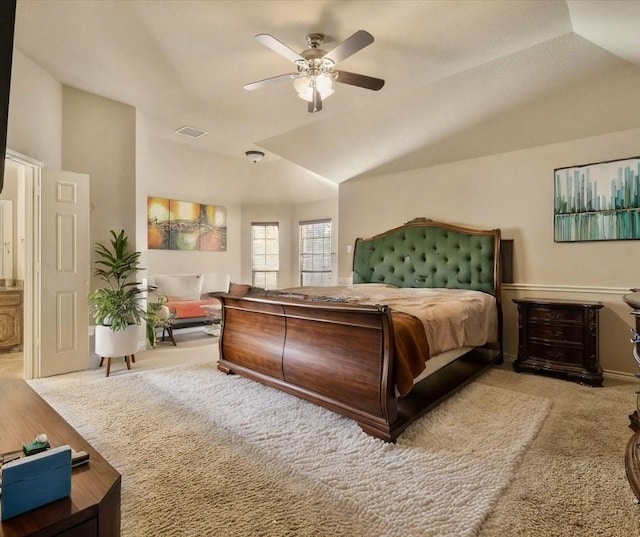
[
  {"x": 599, "y": 201},
  {"x": 545, "y": 288}
]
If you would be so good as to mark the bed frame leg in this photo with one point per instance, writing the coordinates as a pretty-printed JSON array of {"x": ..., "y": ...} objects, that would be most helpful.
[
  {"x": 224, "y": 369},
  {"x": 383, "y": 434}
]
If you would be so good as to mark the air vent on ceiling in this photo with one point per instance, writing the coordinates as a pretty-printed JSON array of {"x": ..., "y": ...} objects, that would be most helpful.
[{"x": 192, "y": 132}]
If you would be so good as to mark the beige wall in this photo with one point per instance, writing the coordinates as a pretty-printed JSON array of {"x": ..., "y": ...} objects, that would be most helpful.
[
  {"x": 35, "y": 112},
  {"x": 173, "y": 170},
  {"x": 98, "y": 138},
  {"x": 514, "y": 192}
]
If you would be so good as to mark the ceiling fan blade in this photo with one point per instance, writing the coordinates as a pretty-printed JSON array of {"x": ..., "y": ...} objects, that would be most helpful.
[
  {"x": 269, "y": 81},
  {"x": 271, "y": 42},
  {"x": 350, "y": 46},
  {"x": 362, "y": 81},
  {"x": 315, "y": 104}
]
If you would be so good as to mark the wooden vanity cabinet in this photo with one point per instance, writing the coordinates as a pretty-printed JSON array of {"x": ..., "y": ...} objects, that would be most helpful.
[{"x": 11, "y": 314}]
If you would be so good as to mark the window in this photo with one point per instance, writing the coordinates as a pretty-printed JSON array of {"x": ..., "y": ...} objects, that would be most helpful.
[
  {"x": 315, "y": 253},
  {"x": 265, "y": 249}
]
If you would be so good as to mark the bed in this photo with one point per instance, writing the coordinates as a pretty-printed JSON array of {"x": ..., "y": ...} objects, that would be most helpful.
[{"x": 362, "y": 357}]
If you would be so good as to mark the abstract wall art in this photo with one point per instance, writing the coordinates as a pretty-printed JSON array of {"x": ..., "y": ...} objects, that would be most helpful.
[
  {"x": 598, "y": 201},
  {"x": 185, "y": 225}
]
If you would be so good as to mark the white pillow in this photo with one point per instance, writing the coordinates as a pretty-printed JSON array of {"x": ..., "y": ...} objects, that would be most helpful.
[
  {"x": 215, "y": 282},
  {"x": 179, "y": 286}
]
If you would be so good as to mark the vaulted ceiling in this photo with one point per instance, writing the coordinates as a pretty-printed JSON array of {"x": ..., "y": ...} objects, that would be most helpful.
[{"x": 463, "y": 78}]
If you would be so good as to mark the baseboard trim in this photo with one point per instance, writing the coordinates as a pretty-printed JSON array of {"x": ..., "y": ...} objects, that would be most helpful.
[
  {"x": 607, "y": 373},
  {"x": 565, "y": 289},
  {"x": 620, "y": 375}
]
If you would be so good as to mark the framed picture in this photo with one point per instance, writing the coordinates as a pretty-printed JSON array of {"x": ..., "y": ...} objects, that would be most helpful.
[
  {"x": 185, "y": 225},
  {"x": 598, "y": 201}
]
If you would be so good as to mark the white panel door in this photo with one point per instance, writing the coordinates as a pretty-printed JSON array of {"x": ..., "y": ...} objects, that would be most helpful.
[{"x": 65, "y": 272}]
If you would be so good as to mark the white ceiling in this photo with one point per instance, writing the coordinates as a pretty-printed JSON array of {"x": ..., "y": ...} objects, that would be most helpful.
[{"x": 453, "y": 70}]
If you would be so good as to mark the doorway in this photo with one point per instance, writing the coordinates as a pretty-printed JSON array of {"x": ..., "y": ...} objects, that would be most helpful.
[
  {"x": 19, "y": 179},
  {"x": 56, "y": 251}
]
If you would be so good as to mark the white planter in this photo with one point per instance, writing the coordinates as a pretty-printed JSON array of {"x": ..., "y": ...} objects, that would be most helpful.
[{"x": 120, "y": 343}]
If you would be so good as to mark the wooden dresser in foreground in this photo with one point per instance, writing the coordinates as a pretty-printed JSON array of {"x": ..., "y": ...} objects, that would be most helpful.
[
  {"x": 632, "y": 453},
  {"x": 632, "y": 463},
  {"x": 93, "y": 509},
  {"x": 560, "y": 338}
]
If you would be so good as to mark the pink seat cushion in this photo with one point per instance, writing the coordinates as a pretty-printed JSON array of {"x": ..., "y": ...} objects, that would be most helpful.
[{"x": 187, "y": 309}]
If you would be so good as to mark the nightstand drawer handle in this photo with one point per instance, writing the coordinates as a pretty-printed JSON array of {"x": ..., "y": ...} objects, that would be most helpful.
[
  {"x": 554, "y": 332},
  {"x": 554, "y": 316}
]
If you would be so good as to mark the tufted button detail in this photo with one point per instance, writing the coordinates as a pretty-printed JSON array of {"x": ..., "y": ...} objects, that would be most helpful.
[{"x": 434, "y": 256}]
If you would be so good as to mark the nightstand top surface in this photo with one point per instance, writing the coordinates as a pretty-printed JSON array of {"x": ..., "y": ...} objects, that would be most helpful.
[{"x": 557, "y": 302}]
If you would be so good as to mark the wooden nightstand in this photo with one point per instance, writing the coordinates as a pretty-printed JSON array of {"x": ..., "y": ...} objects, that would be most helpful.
[{"x": 560, "y": 338}]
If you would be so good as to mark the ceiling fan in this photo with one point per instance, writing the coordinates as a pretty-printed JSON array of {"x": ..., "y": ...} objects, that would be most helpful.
[{"x": 317, "y": 71}]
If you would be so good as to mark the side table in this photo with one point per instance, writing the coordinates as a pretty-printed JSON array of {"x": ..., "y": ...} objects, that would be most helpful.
[
  {"x": 213, "y": 312},
  {"x": 560, "y": 338}
]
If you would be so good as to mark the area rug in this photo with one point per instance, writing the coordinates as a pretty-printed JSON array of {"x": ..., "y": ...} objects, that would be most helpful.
[{"x": 202, "y": 453}]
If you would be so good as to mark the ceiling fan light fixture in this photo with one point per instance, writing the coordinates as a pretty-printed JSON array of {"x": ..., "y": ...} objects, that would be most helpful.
[
  {"x": 307, "y": 94},
  {"x": 316, "y": 68},
  {"x": 254, "y": 155},
  {"x": 304, "y": 86}
]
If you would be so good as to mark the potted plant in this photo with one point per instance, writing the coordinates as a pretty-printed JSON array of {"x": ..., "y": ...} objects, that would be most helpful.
[
  {"x": 157, "y": 316},
  {"x": 117, "y": 307}
]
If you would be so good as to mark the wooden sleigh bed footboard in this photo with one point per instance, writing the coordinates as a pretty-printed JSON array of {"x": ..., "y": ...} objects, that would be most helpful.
[
  {"x": 342, "y": 355},
  {"x": 337, "y": 356}
]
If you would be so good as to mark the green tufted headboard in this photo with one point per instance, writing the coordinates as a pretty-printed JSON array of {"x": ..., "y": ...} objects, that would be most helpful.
[{"x": 425, "y": 253}]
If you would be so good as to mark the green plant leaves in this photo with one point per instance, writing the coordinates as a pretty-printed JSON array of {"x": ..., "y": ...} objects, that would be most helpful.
[{"x": 118, "y": 305}]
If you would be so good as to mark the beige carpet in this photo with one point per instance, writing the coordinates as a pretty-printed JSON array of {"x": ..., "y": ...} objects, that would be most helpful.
[
  {"x": 206, "y": 454},
  {"x": 571, "y": 481}
]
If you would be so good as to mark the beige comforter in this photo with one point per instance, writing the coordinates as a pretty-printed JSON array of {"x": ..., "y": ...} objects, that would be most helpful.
[{"x": 452, "y": 318}]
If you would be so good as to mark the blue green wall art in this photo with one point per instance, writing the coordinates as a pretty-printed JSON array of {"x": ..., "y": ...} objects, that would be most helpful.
[{"x": 597, "y": 202}]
